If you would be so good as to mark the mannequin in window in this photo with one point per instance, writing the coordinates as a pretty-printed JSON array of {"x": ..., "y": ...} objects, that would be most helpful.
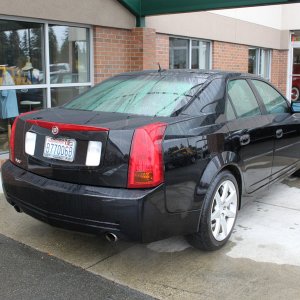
[
  {"x": 8, "y": 101},
  {"x": 27, "y": 71}
]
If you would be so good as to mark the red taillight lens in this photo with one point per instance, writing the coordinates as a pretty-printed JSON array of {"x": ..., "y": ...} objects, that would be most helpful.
[
  {"x": 13, "y": 134},
  {"x": 146, "y": 158},
  {"x": 12, "y": 140}
]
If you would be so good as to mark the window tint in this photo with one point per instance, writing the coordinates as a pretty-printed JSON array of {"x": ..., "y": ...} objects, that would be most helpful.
[
  {"x": 209, "y": 100},
  {"x": 242, "y": 98},
  {"x": 273, "y": 101},
  {"x": 230, "y": 115}
]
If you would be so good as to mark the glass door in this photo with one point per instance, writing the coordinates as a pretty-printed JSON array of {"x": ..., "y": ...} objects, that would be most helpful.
[{"x": 295, "y": 68}]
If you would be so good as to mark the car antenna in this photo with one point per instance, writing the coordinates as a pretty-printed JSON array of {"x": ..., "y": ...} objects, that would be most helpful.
[{"x": 159, "y": 67}]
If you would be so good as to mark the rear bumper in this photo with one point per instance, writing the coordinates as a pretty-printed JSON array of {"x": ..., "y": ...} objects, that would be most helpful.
[{"x": 138, "y": 215}]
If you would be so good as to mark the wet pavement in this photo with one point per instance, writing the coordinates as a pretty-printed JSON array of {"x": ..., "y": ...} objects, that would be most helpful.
[{"x": 261, "y": 260}]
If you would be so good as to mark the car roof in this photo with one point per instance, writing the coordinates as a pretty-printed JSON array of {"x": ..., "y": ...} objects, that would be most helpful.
[{"x": 204, "y": 74}]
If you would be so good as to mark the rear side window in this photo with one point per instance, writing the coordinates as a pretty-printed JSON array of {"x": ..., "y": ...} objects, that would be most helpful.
[
  {"x": 243, "y": 99},
  {"x": 210, "y": 100},
  {"x": 273, "y": 101}
]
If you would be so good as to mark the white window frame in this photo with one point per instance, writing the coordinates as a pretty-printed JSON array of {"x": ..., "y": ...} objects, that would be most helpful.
[
  {"x": 190, "y": 47},
  {"x": 47, "y": 85},
  {"x": 258, "y": 63}
]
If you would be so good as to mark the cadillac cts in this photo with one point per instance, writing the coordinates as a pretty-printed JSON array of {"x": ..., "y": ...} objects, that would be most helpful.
[{"x": 152, "y": 154}]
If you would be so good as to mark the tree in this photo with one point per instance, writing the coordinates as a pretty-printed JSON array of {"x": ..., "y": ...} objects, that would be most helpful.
[
  {"x": 64, "y": 50},
  {"x": 4, "y": 46},
  {"x": 35, "y": 47},
  {"x": 25, "y": 43},
  {"x": 53, "y": 45},
  {"x": 14, "y": 51}
]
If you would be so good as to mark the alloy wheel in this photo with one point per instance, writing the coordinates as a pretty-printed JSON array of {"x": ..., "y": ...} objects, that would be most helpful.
[{"x": 224, "y": 210}]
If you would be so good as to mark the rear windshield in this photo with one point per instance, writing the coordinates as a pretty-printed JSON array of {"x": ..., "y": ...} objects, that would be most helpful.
[{"x": 141, "y": 95}]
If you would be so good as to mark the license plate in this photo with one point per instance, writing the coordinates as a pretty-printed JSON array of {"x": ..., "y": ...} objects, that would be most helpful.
[{"x": 61, "y": 149}]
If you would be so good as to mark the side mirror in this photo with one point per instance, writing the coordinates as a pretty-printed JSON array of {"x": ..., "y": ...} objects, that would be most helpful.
[{"x": 295, "y": 106}]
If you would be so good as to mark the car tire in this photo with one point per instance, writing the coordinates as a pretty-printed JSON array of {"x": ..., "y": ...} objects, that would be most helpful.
[
  {"x": 218, "y": 214},
  {"x": 295, "y": 93}
]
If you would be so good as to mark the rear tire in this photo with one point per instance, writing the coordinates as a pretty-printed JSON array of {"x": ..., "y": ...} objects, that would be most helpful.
[{"x": 219, "y": 213}]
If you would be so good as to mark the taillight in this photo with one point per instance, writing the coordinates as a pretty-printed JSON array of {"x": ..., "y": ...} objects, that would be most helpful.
[
  {"x": 13, "y": 134},
  {"x": 146, "y": 167},
  {"x": 12, "y": 140}
]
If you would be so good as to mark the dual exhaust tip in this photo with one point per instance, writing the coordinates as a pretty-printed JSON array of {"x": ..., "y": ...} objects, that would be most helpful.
[{"x": 111, "y": 237}]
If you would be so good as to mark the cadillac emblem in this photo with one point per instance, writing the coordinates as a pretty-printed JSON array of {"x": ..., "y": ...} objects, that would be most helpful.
[{"x": 55, "y": 130}]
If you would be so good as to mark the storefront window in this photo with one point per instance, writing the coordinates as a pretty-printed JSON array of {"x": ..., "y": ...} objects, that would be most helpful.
[
  {"x": 21, "y": 52},
  {"x": 31, "y": 99},
  {"x": 60, "y": 96},
  {"x": 14, "y": 102},
  {"x": 69, "y": 53},
  {"x": 259, "y": 62},
  {"x": 182, "y": 58},
  {"x": 28, "y": 79}
]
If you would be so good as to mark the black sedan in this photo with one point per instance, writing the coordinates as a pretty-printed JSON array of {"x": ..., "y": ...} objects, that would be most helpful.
[{"x": 152, "y": 154}]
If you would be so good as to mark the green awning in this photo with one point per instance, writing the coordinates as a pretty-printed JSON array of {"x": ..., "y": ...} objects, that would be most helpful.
[{"x": 143, "y": 8}]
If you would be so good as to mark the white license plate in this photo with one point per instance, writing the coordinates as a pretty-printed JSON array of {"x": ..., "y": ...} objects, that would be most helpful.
[{"x": 62, "y": 149}]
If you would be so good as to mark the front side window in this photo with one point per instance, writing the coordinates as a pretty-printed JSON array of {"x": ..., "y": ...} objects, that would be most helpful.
[
  {"x": 189, "y": 54},
  {"x": 272, "y": 100},
  {"x": 140, "y": 95},
  {"x": 259, "y": 62},
  {"x": 242, "y": 98}
]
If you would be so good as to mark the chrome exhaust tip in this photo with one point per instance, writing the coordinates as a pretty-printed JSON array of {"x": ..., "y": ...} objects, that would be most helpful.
[{"x": 111, "y": 237}]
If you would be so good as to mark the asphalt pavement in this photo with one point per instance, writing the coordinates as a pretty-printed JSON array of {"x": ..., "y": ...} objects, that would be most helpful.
[{"x": 29, "y": 274}]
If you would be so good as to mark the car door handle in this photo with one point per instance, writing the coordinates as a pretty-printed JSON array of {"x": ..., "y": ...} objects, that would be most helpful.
[
  {"x": 279, "y": 133},
  {"x": 245, "y": 139}
]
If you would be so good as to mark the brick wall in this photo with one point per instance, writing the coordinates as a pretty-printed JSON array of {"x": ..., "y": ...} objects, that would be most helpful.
[
  {"x": 234, "y": 57},
  {"x": 112, "y": 52},
  {"x": 120, "y": 50},
  {"x": 162, "y": 50},
  {"x": 279, "y": 69},
  {"x": 143, "y": 50},
  {"x": 229, "y": 57}
]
